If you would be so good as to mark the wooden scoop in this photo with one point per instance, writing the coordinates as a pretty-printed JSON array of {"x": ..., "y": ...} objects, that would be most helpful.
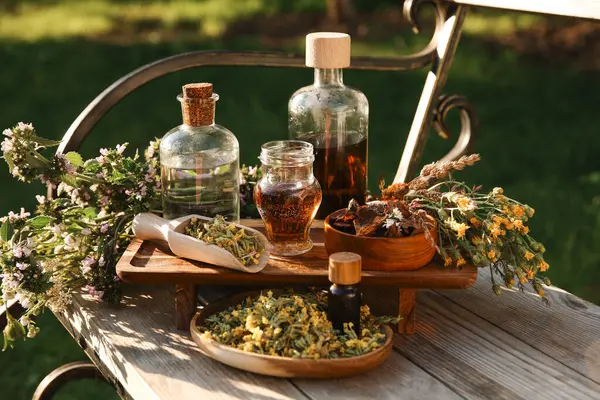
[{"x": 147, "y": 226}]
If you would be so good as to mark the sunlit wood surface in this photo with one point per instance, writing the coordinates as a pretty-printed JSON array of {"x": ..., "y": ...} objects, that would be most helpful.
[
  {"x": 572, "y": 8},
  {"x": 468, "y": 344}
]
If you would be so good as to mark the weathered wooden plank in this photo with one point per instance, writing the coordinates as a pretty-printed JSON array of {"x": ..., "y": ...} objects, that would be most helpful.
[
  {"x": 571, "y": 8},
  {"x": 397, "y": 378},
  {"x": 567, "y": 330},
  {"x": 477, "y": 359},
  {"x": 139, "y": 345}
]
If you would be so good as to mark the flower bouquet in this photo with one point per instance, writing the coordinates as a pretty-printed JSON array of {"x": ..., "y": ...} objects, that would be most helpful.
[{"x": 485, "y": 229}]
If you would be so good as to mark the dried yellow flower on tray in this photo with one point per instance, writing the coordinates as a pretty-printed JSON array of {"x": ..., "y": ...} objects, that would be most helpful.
[{"x": 293, "y": 325}]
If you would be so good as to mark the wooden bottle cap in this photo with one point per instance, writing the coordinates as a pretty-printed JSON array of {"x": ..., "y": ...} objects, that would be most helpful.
[
  {"x": 345, "y": 268},
  {"x": 328, "y": 50},
  {"x": 197, "y": 90},
  {"x": 198, "y": 104}
]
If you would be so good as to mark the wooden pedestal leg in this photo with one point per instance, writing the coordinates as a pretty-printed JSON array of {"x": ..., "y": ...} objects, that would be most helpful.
[
  {"x": 408, "y": 298},
  {"x": 185, "y": 305}
]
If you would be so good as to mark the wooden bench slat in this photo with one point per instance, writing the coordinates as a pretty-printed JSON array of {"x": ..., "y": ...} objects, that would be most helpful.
[
  {"x": 567, "y": 330},
  {"x": 396, "y": 378},
  {"x": 478, "y": 359},
  {"x": 571, "y": 8},
  {"x": 140, "y": 346}
]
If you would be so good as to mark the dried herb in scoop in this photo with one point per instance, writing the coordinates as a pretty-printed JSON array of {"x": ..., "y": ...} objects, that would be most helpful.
[
  {"x": 245, "y": 247},
  {"x": 293, "y": 325}
]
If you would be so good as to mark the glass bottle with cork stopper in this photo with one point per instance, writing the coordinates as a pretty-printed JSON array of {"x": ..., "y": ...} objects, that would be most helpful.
[
  {"x": 200, "y": 160},
  {"x": 344, "y": 299},
  {"x": 334, "y": 119}
]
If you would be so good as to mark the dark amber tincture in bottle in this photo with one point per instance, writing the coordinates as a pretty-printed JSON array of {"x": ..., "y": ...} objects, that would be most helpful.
[{"x": 344, "y": 298}]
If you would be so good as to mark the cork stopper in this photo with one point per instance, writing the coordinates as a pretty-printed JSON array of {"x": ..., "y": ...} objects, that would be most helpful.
[
  {"x": 345, "y": 268},
  {"x": 198, "y": 104},
  {"x": 328, "y": 50}
]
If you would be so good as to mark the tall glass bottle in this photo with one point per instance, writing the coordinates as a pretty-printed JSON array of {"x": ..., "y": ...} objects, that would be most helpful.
[
  {"x": 334, "y": 119},
  {"x": 200, "y": 160}
]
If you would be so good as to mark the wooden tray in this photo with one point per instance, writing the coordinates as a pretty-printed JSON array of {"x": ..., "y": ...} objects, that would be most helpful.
[
  {"x": 282, "y": 366},
  {"x": 152, "y": 263}
]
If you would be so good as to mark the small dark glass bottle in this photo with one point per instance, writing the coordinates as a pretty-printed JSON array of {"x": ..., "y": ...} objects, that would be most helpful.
[{"x": 344, "y": 298}]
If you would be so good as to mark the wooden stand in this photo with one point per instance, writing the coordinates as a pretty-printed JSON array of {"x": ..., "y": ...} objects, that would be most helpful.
[{"x": 152, "y": 263}]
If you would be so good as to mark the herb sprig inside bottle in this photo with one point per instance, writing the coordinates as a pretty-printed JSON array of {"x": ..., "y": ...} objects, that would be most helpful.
[{"x": 246, "y": 248}]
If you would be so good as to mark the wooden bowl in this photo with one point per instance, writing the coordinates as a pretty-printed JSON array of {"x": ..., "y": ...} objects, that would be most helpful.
[
  {"x": 282, "y": 366},
  {"x": 381, "y": 253}
]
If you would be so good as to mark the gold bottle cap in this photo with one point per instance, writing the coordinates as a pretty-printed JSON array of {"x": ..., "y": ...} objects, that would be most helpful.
[{"x": 345, "y": 268}]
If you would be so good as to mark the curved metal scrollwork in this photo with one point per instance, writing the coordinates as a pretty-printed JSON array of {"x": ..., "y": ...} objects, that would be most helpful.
[
  {"x": 127, "y": 84},
  {"x": 411, "y": 9},
  {"x": 468, "y": 124}
]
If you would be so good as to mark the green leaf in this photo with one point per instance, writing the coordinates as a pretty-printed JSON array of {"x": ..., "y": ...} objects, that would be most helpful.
[
  {"x": 129, "y": 165},
  {"x": 118, "y": 176},
  {"x": 9, "y": 161},
  {"x": 69, "y": 180},
  {"x": 40, "y": 221},
  {"x": 74, "y": 158},
  {"x": 45, "y": 142},
  {"x": 90, "y": 212},
  {"x": 6, "y": 231}
]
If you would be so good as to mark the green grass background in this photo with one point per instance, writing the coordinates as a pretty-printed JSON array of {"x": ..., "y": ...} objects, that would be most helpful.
[{"x": 538, "y": 134}]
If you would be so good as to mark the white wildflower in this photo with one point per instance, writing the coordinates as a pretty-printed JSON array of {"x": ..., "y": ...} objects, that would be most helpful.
[
  {"x": 7, "y": 132},
  {"x": 24, "y": 320},
  {"x": 104, "y": 151},
  {"x": 150, "y": 150},
  {"x": 23, "y": 127},
  {"x": 104, "y": 228},
  {"x": 7, "y": 145},
  {"x": 41, "y": 199},
  {"x": 121, "y": 148},
  {"x": 86, "y": 232},
  {"x": 22, "y": 266},
  {"x": 17, "y": 251}
]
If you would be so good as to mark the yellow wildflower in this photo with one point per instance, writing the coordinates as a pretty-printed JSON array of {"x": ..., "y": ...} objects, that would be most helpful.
[
  {"x": 447, "y": 261},
  {"x": 523, "y": 279},
  {"x": 460, "y": 261},
  {"x": 530, "y": 274},
  {"x": 518, "y": 224},
  {"x": 475, "y": 222},
  {"x": 491, "y": 255},
  {"x": 464, "y": 203},
  {"x": 459, "y": 228},
  {"x": 509, "y": 225},
  {"x": 543, "y": 266},
  {"x": 518, "y": 211},
  {"x": 525, "y": 230},
  {"x": 476, "y": 240},
  {"x": 529, "y": 255},
  {"x": 495, "y": 231}
]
